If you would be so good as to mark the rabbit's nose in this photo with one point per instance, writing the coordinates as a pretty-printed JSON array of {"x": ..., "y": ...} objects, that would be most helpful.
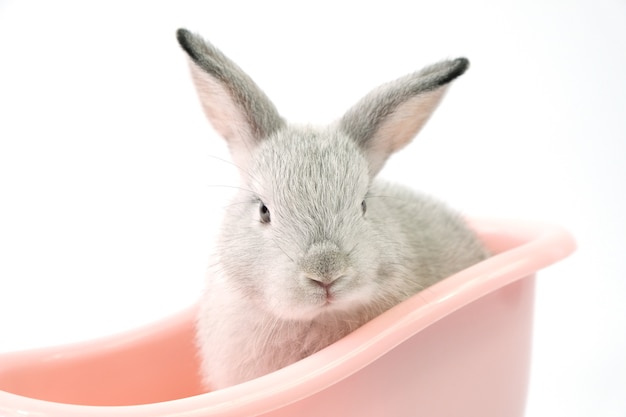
[
  {"x": 326, "y": 284},
  {"x": 325, "y": 281},
  {"x": 324, "y": 263}
]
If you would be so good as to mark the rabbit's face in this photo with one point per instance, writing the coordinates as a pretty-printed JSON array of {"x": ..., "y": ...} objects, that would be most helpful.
[
  {"x": 299, "y": 238},
  {"x": 304, "y": 239}
]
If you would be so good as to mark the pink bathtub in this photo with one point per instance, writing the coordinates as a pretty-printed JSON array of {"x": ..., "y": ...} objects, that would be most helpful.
[{"x": 460, "y": 348}]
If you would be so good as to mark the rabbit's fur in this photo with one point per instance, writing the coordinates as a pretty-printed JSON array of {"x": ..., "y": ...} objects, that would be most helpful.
[{"x": 314, "y": 246}]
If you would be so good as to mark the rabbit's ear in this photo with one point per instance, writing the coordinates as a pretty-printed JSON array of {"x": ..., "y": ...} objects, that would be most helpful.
[
  {"x": 233, "y": 103},
  {"x": 390, "y": 116}
]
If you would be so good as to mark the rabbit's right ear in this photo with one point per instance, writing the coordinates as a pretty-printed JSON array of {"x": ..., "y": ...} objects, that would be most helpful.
[{"x": 236, "y": 107}]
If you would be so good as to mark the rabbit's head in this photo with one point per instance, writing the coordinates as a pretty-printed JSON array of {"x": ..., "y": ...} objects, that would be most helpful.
[{"x": 300, "y": 238}]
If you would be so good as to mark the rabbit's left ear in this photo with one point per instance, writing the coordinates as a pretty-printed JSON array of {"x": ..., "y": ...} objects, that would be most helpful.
[
  {"x": 390, "y": 116},
  {"x": 236, "y": 107}
]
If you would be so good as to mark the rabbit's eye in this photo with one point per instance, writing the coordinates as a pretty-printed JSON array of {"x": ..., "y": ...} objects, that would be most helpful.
[
  {"x": 264, "y": 212},
  {"x": 364, "y": 206}
]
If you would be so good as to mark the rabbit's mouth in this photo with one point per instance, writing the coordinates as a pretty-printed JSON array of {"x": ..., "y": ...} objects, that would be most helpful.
[
  {"x": 333, "y": 299},
  {"x": 323, "y": 301},
  {"x": 309, "y": 298},
  {"x": 328, "y": 290}
]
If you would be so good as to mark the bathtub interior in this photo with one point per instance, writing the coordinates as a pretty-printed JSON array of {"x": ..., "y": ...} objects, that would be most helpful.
[
  {"x": 154, "y": 364},
  {"x": 158, "y": 363}
]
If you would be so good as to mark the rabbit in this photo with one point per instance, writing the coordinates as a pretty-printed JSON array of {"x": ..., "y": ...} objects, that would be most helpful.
[{"x": 315, "y": 245}]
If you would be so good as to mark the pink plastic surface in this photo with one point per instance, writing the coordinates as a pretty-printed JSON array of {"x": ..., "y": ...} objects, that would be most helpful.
[{"x": 459, "y": 348}]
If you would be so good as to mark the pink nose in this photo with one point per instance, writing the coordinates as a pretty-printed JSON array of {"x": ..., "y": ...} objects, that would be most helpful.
[{"x": 325, "y": 283}]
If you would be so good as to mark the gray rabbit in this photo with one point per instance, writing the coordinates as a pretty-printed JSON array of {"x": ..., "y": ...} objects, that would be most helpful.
[{"x": 315, "y": 246}]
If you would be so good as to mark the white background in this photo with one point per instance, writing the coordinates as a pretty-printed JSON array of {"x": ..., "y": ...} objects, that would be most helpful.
[{"x": 108, "y": 196}]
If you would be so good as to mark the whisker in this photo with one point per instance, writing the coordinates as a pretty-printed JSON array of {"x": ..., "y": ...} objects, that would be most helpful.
[
  {"x": 282, "y": 250},
  {"x": 236, "y": 188},
  {"x": 386, "y": 196},
  {"x": 351, "y": 251},
  {"x": 236, "y": 203},
  {"x": 230, "y": 186},
  {"x": 240, "y": 168}
]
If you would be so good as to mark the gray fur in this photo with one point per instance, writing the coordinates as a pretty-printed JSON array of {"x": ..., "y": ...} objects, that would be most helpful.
[
  {"x": 279, "y": 291},
  {"x": 259, "y": 110},
  {"x": 362, "y": 120}
]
